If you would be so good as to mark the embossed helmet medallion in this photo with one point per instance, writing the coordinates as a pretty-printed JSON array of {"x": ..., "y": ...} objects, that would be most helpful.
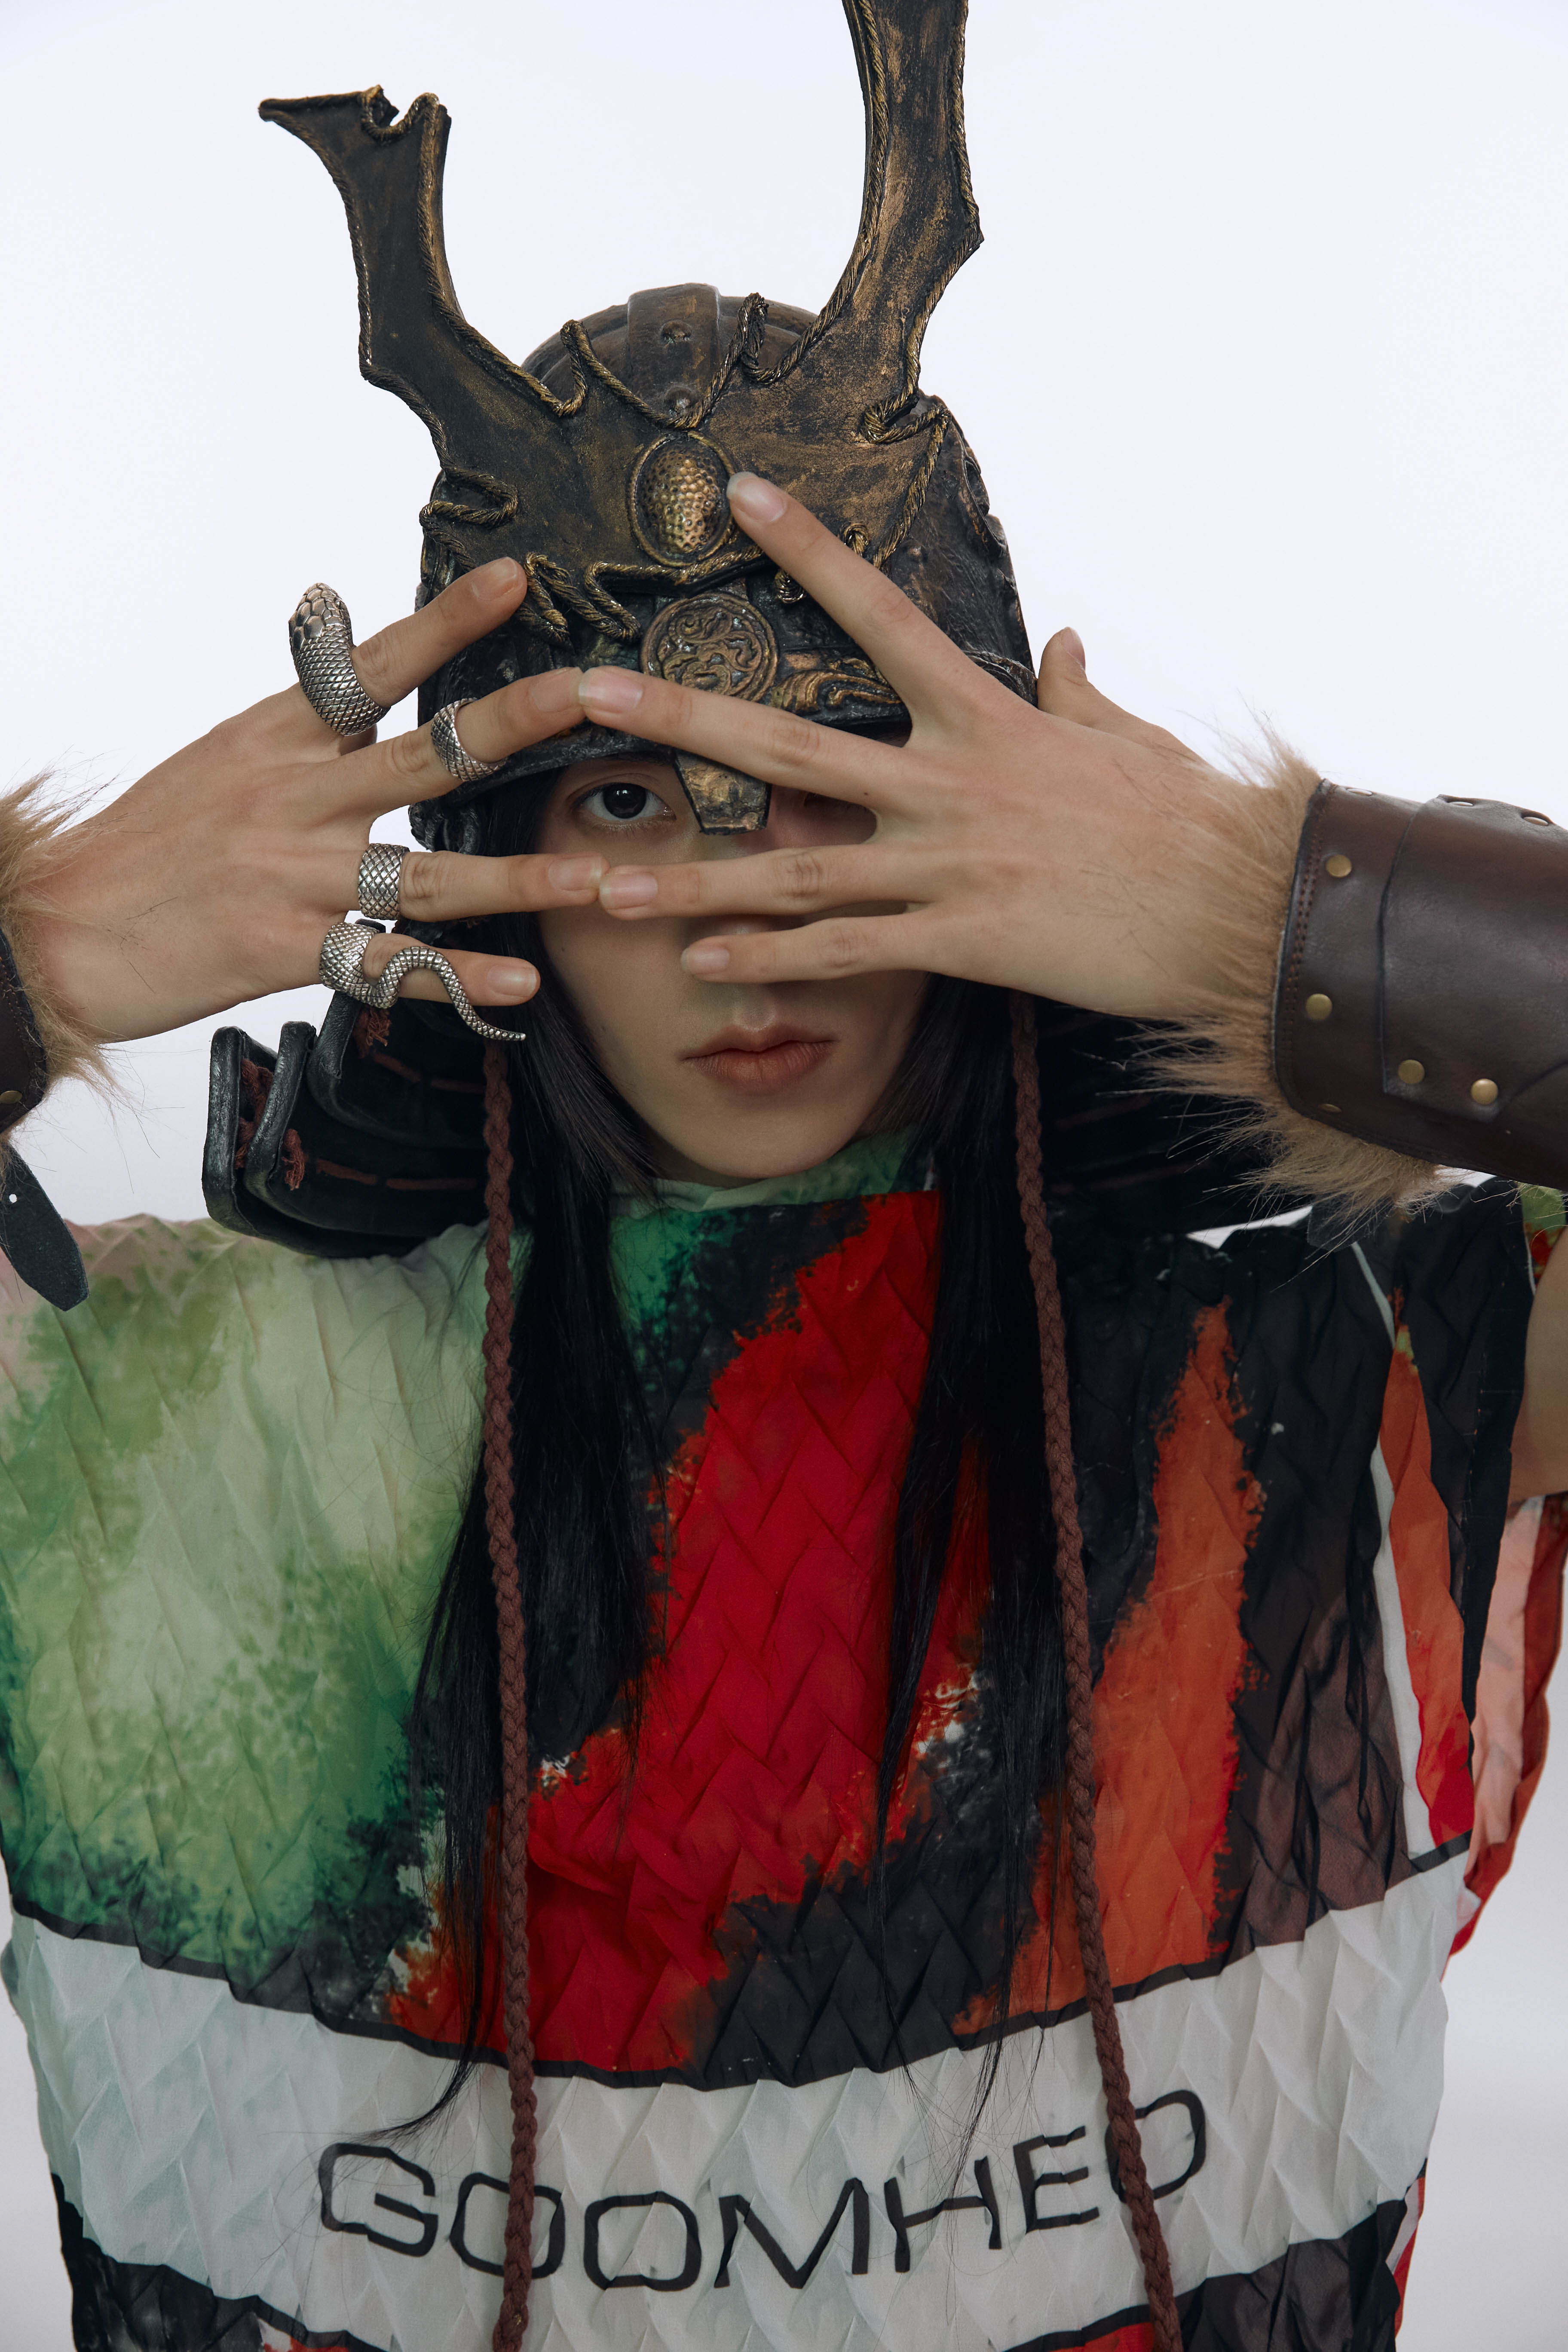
[
  {"x": 680, "y": 512},
  {"x": 716, "y": 644}
]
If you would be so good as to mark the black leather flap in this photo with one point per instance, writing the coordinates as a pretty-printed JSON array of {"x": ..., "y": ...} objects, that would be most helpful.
[
  {"x": 316, "y": 1172},
  {"x": 414, "y": 1075},
  {"x": 239, "y": 1077},
  {"x": 35, "y": 1237}
]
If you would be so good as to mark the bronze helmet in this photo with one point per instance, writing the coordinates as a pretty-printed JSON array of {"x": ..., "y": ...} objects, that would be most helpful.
[{"x": 600, "y": 463}]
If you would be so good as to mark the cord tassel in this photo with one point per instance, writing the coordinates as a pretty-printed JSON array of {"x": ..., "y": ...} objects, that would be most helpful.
[
  {"x": 1134, "y": 2178},
  {"x": 517, "y": 2265}
]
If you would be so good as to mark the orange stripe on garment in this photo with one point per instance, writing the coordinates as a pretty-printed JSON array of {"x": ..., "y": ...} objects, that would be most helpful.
[
  {"x": 1434, "y": 1630},
  {"x": 1165, "y": 1710},
  {"x": 1524, "y": 1633}
]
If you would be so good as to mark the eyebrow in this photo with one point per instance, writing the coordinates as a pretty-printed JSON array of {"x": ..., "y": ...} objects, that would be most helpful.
[{"x": 580, "y": 772}]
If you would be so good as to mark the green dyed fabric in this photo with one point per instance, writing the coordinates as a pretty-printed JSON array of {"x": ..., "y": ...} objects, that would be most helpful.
[{"x": 229, "y": 1484}]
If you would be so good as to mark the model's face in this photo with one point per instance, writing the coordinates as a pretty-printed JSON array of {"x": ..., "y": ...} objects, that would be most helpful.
[{"x": 732, "y": 1083}]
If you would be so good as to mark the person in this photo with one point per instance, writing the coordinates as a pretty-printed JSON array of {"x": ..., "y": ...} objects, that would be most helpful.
[{"x": 836, "y": 1728}]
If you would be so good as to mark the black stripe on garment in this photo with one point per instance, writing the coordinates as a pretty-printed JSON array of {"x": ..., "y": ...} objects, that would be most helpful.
[{"x": 1327, "y": 2296}]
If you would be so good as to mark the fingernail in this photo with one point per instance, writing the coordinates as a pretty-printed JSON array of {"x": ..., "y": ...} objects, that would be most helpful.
[
  {"x": 491, "y": 578},
  {"x": 706, "y": 962},
  {"x": 513, "y": 980},
  {"x": 753, "y": 499},
  {"x": 555, "y": 691},
  {"x": 628, "y": 886},
  {"x": 613, "y": 690},
  {"x": 1075, "y": 646},
  {"x": 574, "y": 873}
]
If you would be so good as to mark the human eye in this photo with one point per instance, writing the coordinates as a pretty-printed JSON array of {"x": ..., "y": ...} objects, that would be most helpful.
[{"x": 622, "y": 803}]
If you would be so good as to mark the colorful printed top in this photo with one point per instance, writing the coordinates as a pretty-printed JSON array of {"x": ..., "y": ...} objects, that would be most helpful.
[{"x": 231, "y": 1481}]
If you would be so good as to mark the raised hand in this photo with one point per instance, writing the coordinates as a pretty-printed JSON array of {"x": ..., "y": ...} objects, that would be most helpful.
[
  {"x": 215, "y": 879},
  {"x": 1044, "y": 849}
]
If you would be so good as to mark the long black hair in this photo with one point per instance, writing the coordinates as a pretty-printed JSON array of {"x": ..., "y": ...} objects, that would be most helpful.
[{"x": 586, "y": 1461}]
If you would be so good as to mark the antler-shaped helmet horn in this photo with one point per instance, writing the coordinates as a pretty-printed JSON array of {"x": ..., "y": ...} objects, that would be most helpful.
[{"x": 600, "y": 463}]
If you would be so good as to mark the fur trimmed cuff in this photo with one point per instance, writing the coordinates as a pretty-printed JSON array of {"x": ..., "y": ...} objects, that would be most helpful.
[
  {"x": 29, "y": 823},
  {"x": 1224, "y": 1046}
]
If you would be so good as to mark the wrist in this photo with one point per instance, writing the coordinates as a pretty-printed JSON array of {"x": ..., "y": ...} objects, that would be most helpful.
[{"x": 1249, "y": 842}]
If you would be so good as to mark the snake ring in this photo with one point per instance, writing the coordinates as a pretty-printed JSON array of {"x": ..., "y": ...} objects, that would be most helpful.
[
  {"x": 320, "y": 639},
  {"x": 378, "y": 891},
  {"x": 458, "y": 764},
  {"x": 342, "y": 967}
]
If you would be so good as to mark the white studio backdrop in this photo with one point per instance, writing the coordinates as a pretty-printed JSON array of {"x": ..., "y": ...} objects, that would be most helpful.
[{"x": 1265, "y": 359}]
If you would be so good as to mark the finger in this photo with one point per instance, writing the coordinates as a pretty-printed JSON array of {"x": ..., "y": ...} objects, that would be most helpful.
[
  {"x": 442, "y": 886},
  {"x": 406, "y": 768},
  {"x": 771, "y": 744},
  {"x": 403, "y": 656},
  {"x": 779, "y": 882},
  {"x": 922, "y": 664},
  {"x": 835, "y": 949},
  {"x": 489, "y": 980},
  {"x": 1066, "y": 692}
]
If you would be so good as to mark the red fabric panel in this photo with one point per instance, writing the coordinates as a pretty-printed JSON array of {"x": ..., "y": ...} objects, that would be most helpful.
[
  {"x": 1542, "y": 1640},
  {"x": 758, "y": 1761},
  {"x": 756, "y": 1770},
  {"x": 1434, "y": 1630}
]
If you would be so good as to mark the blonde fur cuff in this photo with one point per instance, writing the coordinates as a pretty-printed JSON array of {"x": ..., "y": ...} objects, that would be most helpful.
[
  {"x": 29, "y": 824},
  {"x": 1224, "y": 1046}
]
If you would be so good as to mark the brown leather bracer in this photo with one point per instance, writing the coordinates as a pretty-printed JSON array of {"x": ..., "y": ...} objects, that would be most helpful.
[{"x": 1422, "y": 1001}]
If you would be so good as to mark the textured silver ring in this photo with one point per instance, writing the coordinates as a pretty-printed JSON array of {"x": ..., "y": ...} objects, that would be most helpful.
[
  {"x": 459, "y": 764},
  {"x": 321, "y": 640},
  {"x": 342, "y": 967},
  {"x": 378, "y": 891}
]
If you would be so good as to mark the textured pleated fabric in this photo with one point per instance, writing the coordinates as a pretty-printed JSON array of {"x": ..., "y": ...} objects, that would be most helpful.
[{"x": 230, "y": 1484}]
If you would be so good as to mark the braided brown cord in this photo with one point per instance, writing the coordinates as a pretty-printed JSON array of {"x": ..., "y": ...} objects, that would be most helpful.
[
  {"x": 1131, "y": 2169},
  {"x": 517, "y": 2263}
]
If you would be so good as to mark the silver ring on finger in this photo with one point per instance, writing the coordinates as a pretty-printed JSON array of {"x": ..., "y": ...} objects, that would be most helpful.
[
  {"x": 341, "y": 967},
  {"x": 459, "y": 764},
  {"x": 322, "y": 641},
  {"x": 379, "y": 890}
]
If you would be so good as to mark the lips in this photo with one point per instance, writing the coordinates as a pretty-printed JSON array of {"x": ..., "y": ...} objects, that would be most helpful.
[{"x": 760, "y": 1061}]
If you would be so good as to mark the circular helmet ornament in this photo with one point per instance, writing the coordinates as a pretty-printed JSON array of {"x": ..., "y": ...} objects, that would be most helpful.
[
  {"x": 715, "y": 644},
  {"x": 679, "y": 509}
]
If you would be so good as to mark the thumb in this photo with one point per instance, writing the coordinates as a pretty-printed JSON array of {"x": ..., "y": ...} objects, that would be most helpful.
[{"x": 1065, "y": 691}]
